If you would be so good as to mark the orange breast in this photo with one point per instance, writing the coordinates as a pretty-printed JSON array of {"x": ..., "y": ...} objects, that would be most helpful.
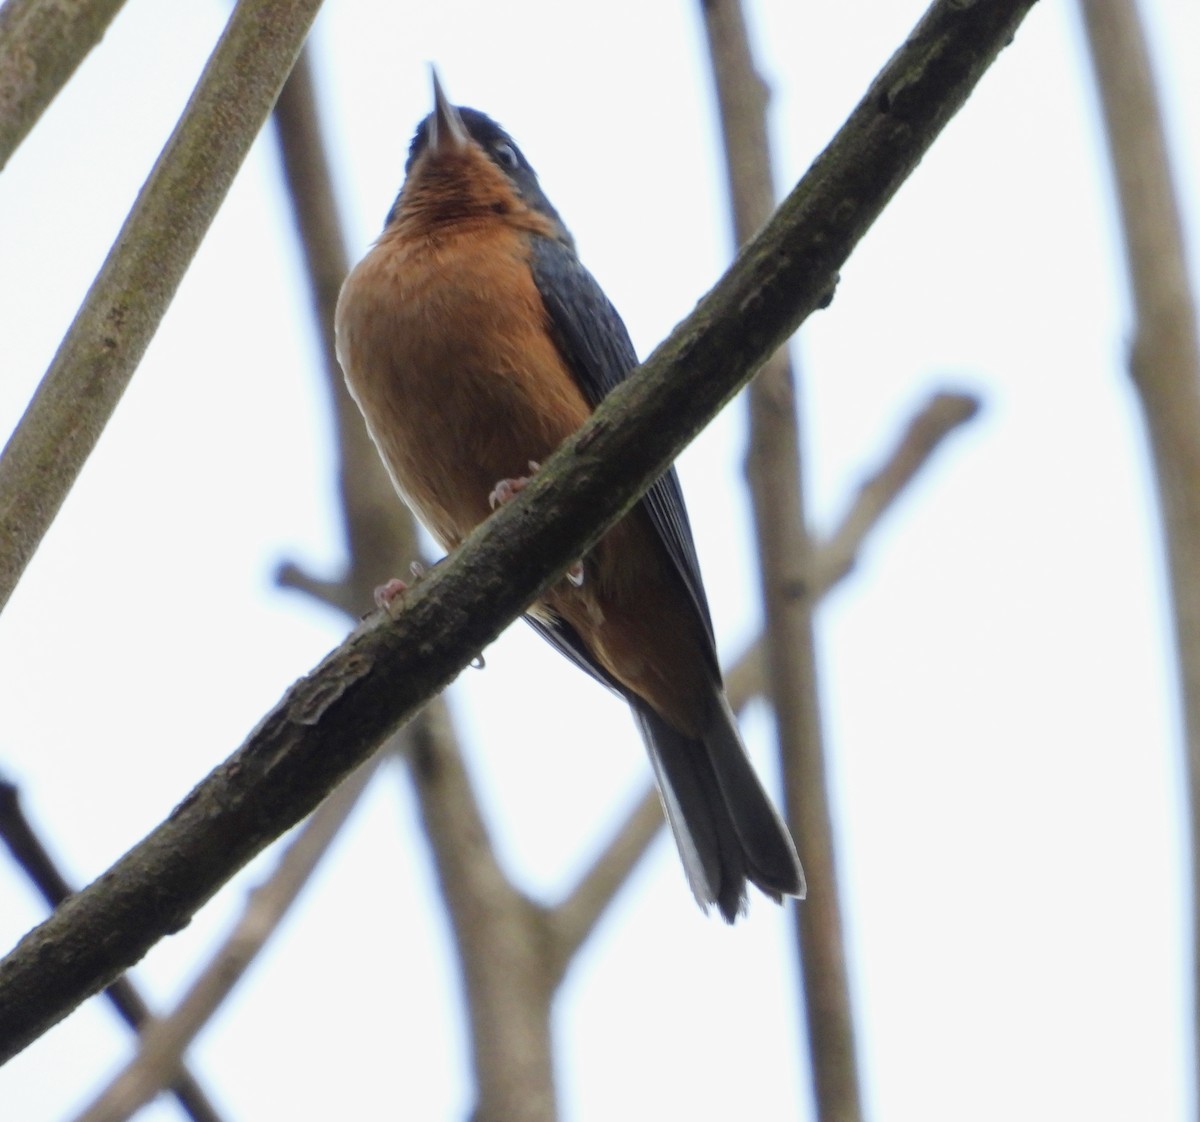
[
  {"x": 445, "y": 349},
  {"x": 445, "y": 345}
]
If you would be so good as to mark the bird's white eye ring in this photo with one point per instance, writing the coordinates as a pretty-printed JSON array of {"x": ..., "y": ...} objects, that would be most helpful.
[{"x": 506, "y": 154}]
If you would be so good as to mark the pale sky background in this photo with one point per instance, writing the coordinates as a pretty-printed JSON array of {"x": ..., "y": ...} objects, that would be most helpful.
[{"x": 997, "y": 691}]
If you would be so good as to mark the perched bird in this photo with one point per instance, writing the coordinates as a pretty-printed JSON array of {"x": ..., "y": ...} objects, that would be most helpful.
[{"x": 474, "y": 343}]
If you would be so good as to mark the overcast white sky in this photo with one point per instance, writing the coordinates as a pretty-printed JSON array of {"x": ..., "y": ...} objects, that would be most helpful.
[{"x": 997, "y": 685}]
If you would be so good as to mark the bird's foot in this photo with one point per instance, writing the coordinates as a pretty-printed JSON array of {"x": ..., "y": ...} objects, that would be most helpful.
[
  {"x": 508, "y": 489},
  {"x": 387, "y": 594}
]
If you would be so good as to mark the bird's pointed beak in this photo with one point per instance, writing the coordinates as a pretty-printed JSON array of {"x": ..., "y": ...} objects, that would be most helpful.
[{"x": 447, "y": 133}]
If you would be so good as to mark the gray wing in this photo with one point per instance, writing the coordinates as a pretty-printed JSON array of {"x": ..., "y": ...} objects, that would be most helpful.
[{"x": 599, "y": 353}]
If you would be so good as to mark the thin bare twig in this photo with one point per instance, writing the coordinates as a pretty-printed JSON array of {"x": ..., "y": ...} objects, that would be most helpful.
[
  {"x": 163, "y": 1042},
  {"x": 333, "y": 719},
  {"x": 33, "y": 857},
  {"x": 41, "y": 44},
  {"x": 135, "y": 285},
  {"x": 1165, "y": 359},
  {"x": 575, "y": 918},
  {"x": 837, "y": 555}
]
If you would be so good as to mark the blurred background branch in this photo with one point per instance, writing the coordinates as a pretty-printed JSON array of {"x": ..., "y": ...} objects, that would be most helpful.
[
  {"x": 31, "y": 855},
  {"x": 837, "y": 555},
  {"x": 1164, "y": 361},
  {"x": 163, "y": 1041},
  {"x": 774, "y": 468}
]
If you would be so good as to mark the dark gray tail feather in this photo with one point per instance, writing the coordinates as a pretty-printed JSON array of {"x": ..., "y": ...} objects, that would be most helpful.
[{"x": 724, "y": 824}]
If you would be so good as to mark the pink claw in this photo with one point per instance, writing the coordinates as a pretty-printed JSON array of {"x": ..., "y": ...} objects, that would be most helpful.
[
  {"x": 387, "y": 594},
  {"x": 508, "y": 489}
]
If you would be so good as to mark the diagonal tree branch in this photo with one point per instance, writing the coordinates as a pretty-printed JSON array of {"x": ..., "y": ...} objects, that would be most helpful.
[
  {"x": 135, "y": 285},
  {"x": 42, "y": 42},
  {"x": 332, "y": 719}
]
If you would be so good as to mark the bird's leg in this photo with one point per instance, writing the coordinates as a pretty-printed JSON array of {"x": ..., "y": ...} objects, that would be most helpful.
[{"x": 508, "y": 489}]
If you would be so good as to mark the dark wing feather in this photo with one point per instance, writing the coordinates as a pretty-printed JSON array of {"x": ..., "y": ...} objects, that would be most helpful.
[{"x": 600, "y": 354}]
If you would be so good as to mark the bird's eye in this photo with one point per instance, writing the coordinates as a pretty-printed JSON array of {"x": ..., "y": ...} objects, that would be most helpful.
[{"x": 506, "y": 154}]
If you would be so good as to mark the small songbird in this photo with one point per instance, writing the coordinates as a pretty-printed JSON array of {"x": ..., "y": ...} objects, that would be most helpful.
[{"x": 474, "y": 343}]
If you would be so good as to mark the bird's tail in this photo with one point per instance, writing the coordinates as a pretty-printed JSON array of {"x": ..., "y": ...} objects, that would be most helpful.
[{"x": 724, "y": 824}]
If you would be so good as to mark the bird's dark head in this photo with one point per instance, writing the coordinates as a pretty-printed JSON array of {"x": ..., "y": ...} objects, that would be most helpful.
[{"x": 452, "y": 162}]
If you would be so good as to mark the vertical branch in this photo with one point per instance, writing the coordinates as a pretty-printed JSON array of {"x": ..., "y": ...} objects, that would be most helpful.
[
  {"x": 774, "y": 468},
  {"x": 1165, "y": 360},
  {"x": 42, "y": 42},
  {"x": 379, "y": 535},
  {"x": 504, "y": 951},
  {"x": 138, "y": 280}
]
